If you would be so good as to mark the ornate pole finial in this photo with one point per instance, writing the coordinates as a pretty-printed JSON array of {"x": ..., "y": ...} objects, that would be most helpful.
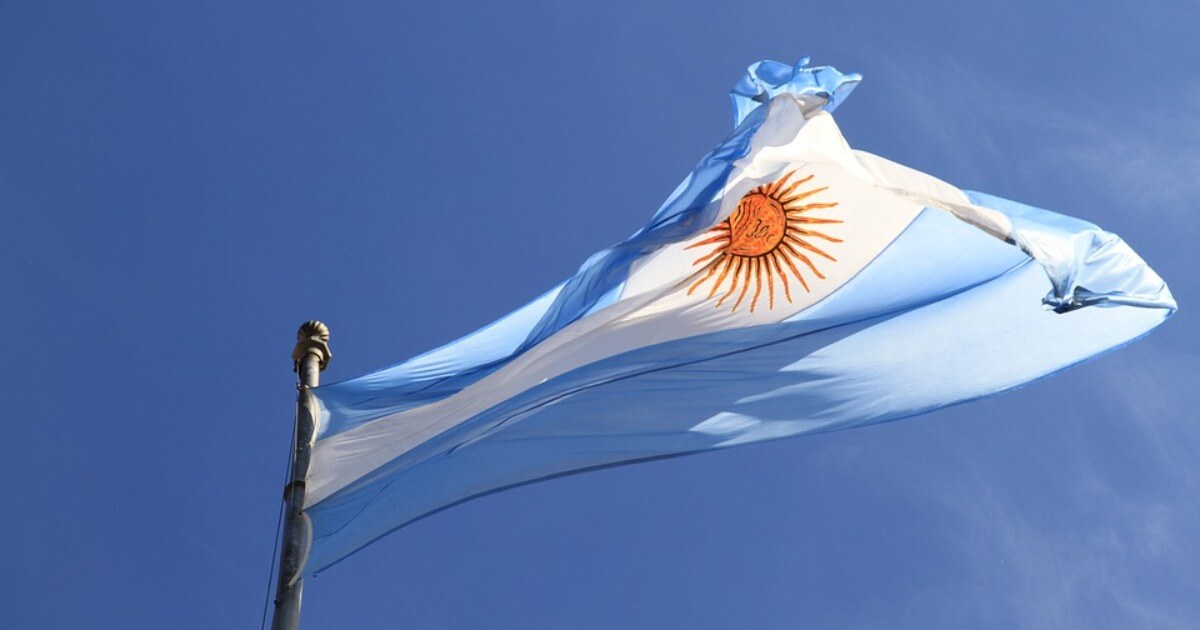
[{"x": 312, "y": 338}]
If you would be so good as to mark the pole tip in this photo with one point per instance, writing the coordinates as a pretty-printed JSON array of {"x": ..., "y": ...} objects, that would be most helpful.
[
  {"x": 312, "y": 338},
  {"x": 313, "y": 328}
]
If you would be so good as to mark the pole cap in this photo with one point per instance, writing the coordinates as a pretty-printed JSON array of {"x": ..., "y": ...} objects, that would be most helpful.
[{"x": 312, "y": 338}]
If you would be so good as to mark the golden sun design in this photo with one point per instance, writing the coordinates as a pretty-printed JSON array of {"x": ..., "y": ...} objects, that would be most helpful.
[{"x": 768, "y": 232}]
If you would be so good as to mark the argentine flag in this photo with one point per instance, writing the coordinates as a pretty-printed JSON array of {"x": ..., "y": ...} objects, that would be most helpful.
[{"x": 789, "y": 285}]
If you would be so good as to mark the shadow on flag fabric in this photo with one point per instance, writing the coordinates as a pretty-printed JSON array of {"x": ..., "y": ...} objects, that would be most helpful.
[{"x": 789, "y": 285}]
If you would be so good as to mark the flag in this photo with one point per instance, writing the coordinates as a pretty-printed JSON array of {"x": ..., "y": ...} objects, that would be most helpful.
[{"x": 789, "y": 285}]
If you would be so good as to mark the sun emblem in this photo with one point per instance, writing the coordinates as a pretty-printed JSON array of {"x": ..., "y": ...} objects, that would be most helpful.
[{"x": 770, "y": 230}]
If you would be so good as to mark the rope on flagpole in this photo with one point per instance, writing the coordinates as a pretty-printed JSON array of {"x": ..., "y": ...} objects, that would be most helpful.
[{"x": 287, "y": 470}]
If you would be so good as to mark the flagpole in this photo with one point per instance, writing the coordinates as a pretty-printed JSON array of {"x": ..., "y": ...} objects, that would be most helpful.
[{"x": 309, "y": 358}]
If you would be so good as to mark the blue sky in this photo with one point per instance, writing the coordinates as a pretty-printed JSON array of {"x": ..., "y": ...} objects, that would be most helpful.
[{"x": 181, "y": 184}]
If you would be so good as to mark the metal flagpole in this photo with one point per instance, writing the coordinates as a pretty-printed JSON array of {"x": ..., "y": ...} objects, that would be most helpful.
[{"x": 309, "y": 358}]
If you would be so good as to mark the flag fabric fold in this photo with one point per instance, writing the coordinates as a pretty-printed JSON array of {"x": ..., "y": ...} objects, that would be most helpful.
[{"x": 789, "y": 285}]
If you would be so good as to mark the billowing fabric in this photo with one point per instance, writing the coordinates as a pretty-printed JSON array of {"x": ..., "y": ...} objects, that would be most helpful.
[{"x": 789, "y": 285}]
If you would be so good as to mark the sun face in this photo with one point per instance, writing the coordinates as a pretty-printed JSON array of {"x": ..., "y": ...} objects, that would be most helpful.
[{"x": 768, "y": 233}]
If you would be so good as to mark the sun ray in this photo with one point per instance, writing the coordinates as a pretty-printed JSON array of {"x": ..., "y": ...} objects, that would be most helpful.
[
  {"x": 775, "y": 257},
  {"x": 708, "y": 241},
  {"x": 788, "y": 261},
  {"x": 799, "y": 219},
  {"x": 757, "y": 283},
  {"x": 804, "y": 259},
  {"x": 733, "y": 280},
  {"x": 787, "y": 292},
  {"x": 799, "y": 196},
  {"x": 766, "y": 263},
  {"x": 785, "y": 199},
  {"x": 821, "y": 235},
  {"x": 810, "y": 247},
  {"x": 810, "y": 206},
  {"x": 724, "y": 270},
  {"x": 745, "y": 284},
  {"x": 769, "y": 189},
  {"x": 712, "y": 268},
  {"x": 705, "y": 257}
]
